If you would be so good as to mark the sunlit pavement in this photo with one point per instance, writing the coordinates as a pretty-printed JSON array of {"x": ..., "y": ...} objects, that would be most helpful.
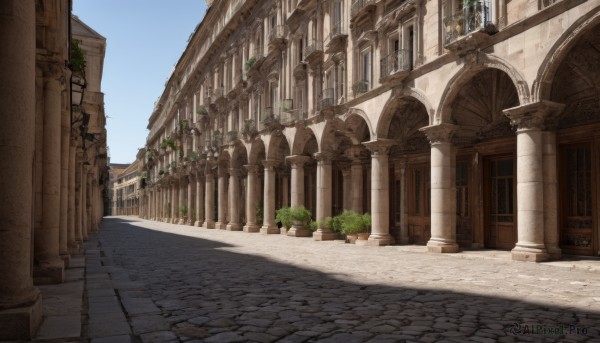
[{"x": 177, "y": 283}]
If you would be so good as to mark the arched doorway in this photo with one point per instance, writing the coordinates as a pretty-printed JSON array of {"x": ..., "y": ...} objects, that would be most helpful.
[
  {"x": 576, "y": 84},
  {"x": 485, "y": 161}
]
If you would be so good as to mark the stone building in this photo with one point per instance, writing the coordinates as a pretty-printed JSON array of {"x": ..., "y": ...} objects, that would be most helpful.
[
  {"x": 114, "y": 170},
  {"x": 454, "y": 123},
  {"x": 125, "y": 190},
  {"x": 52, "y": 148}
]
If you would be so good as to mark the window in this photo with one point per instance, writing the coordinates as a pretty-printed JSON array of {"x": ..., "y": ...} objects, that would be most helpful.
[{"x": 366, "y": 68}]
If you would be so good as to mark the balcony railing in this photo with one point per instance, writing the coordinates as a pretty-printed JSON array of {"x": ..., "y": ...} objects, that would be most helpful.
[
  {"x": 336, "y": 35},
  {"x": 313, "y": 48},
  {"x": 359, "y": 5},
  {"x": 397, "y": 61},
  {"x": 291, "y": 116},
  {"x": 360, "y": 87},
  {"x": 327, "y": 98},
  {"x": 470, "y": 19},
  {"x": 277, "y": 33},
  {"x": 268, "y": 117},
  {"x": 217, "y": 94}
]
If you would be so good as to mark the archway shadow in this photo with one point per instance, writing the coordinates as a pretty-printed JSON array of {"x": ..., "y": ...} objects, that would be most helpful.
[{"x": 198, "y": 285}]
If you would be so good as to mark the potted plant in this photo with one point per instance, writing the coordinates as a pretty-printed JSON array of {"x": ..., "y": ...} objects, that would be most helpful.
[
  {"x": 283, "y": 217},
  {"x": 354, "y": 223},
  {"x": 301, "y": 219},
  {"x": 183, "y": 211},
  {"x": 202, "y": 110},
  {"x": 249, "y": 63}
]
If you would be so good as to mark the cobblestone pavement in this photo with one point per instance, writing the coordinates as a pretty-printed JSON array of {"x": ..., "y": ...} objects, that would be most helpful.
[{"x": 180, "y": 283}]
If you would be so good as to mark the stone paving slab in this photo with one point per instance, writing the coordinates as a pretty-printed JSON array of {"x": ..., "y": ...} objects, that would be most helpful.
[
  {"x": 60, "y": 327},
  {"x": 221, "y": 286}
]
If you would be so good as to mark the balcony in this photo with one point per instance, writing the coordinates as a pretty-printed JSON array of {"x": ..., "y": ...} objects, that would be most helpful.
[
  {"x": 327, "y": 99},
  {"x": 290, "y": 114},
  {"x": 360, "y": 7},
  {"x": 336, "y": 39},
  {"x": 269, "y": 118},
  {"x": 469, "y": 29},
  {"x": 360, "y": 87},
  {"x": 313, "y": 51},
  {"x": 396, "y": 65},
  {"x": 218, "y": 94},
  {"x": 277, "y": 37}
]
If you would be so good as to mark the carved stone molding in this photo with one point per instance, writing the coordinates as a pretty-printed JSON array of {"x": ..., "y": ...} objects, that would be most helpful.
[
  {"x": 54, "y": 70},
  {"x": 535, "y": 116},
  {"x": 441, "y": 133},
  {"x": 323, "y": 157},
  {"x": 381, "y": 146},
  {"x": 252, "y": 168},
  {"x": 270, "y": 164},
  {"x": 298, "y": 161}
]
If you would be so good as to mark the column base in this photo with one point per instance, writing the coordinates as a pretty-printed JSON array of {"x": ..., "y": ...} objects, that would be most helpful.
[
  {"x": 442, "y": 247},
  {"x": 21, "y": 323},
  {"x": 233, "y": 227},
  {"x": 49, "y": 272},
  {"x": 529, "y": 254},
  {"x": 379, "y": 239},
  {"x": 283, "y": 230},
  {"x": 269, "y": 230},
  {"x": 554, "y": 252},
  {"x": 251, "y": 228},
  {"x": 220, "y": 225},
  {"x": 321, "y": 235},
  {"x": 198, "y": 223},
  {"x": 181, "y": 222},
  {"x": 299, "y": 232},
  {"x": 209, "y": 225},
  {"x": 75, "y": 249}
]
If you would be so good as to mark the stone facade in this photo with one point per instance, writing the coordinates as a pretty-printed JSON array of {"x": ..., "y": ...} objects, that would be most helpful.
[
  {"x": 125, "y": 189},
  {"x": 455, "y": 124},
  {"x": 53, "y": 154}
]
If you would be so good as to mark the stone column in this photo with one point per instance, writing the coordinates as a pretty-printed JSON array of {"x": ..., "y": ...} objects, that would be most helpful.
[
  {"x": 380, "y": 192},
  {"x": 404, "y": 237},
  {"x": 443, "y": 189},
  {"x": 78, "y": 197},
  {"x": 199, "y": 200},
  {"x": 50, "y": 266},
  {"x": 73, "y": 240},
  {"x": 65, "y": 146},
  {"x": 234, "y": 200},
  {"x": 323, "y": 196},
  {"x": 346, "y": 187},
  {"x": 297, "y": 179},
  {"x": 251, "y": 199},
  {"x": 174, "y": 201},
  {"x": 221, "y": 223},
  {"x": 209, "y": 221},
  {"x": 269, "y": 226},
  {"x": 529, "y": 121},
  {"x": 182, "y": 200},
  {"x": 285, "y": 188},
  {"x": 190, "y": 199},
  {"x": 20, "y": 302},
  {"x": 551, "y": 233},
  {"x": 356, "y": 175}
]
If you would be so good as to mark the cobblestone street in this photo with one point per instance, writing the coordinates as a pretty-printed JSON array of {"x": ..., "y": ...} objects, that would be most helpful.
[{"x": 182, "y": 283}]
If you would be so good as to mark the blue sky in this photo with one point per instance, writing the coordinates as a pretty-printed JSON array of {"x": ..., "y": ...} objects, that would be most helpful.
[{"x": 144, "y": 40}]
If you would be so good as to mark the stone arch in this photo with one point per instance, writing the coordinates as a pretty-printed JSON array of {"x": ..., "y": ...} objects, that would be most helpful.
[
  {"x": 476, "y": 63},
  {"x": 305, "y": 142},
  {"x": 279, "y": 147},
  {"x": 352, "y": 114},
  {"x": 542, "y": 85},
  {"x": 239, "y": 156},
  {"x": 256, "y": 154},
  {"x": 397, "y": 100}
]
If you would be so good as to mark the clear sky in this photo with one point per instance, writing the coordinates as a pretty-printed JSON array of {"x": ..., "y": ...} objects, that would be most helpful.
[{"x": 144, "y": 40}]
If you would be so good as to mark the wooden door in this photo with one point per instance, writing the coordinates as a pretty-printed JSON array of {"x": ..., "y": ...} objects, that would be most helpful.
[
  {"x": 577, "y": 224},
  {"x": 500, "y": 219},
  {"x": 419, "y": 201}
]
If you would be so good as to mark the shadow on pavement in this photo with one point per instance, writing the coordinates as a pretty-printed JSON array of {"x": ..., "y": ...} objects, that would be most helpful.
[{"x": 220, "y": 296}]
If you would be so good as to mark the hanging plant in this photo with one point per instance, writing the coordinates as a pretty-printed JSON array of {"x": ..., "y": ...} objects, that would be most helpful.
[{"x": 77, "y": 63}]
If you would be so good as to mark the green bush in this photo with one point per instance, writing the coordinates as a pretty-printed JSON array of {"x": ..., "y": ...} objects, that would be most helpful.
[
  {"x": 283, "y": 217},
  {"x": 249, "y": 63},
  {"x": 300, "y": 214},
  {"x": 353, "y": 222},
  {"x": 183, "y": 210},
  {"x": 313, "y": 225}
]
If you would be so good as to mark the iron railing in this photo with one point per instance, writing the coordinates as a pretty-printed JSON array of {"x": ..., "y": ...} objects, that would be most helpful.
[
  {"x": 360, "y": 87},
  {"x": 327, "y": 98},
  {"x": 337, "y": 30},
  {"x": 290, "y": 116},
  {"x": 472, "y": 18},
  {"x": 277, "y": 32},
  {"x": 313, "y": 47},
  {"x": 396, "y": 61}
]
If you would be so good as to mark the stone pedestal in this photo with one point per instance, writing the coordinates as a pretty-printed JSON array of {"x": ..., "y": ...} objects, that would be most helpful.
[
  {"x": 443, "y": 189},
  {"x": 20, "y": 302},
  {"x": 323, "y": 196},
  {"x": 251, "y": 199},
  {"x": 380, "y": 205},
  {"x": 269, "y": 226}
]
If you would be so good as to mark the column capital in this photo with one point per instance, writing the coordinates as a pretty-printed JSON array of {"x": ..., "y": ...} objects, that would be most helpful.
[
  {"x": 270, "y": 164},
  {"x": 441, "y": 133},
  {"x": 355, "y": 152},
  {"x": 534, "y": 116},
  {"x": 323, "y": 157},
  {"x": 298, "y": 160},
  {"x": 252, "y": 168},
  {"x": 54, "y": 70},
  {"x": 380, "y": 146},
  {"x": 236, "y": 172}
]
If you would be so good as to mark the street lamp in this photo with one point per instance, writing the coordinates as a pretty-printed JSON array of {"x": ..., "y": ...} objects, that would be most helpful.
[{"x": 77, "y": 89}]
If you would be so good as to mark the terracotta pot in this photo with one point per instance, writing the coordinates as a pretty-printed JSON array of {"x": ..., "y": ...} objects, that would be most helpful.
[
  {"x": 351, "y": 238},
  {"x": 363, "y": 236}
]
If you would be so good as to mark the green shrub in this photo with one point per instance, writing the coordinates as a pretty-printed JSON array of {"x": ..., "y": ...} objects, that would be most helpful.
[
  {"x": 300, "y": 214},
  {"x": 283, "y": 217},
  {"x": 353, "y": 222}
]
